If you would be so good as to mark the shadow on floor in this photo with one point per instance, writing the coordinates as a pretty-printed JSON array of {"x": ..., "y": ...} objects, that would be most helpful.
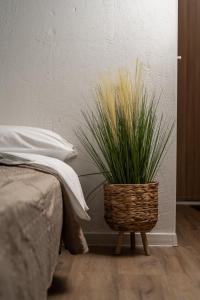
[
  {"x": 60, "y": 285},
  {"x": 109, "y": 251},
  {"x": 197, "y": 207}
]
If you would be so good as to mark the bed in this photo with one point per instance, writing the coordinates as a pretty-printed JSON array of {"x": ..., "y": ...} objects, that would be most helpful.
[
  {"x": 41, "y": 203},
  {"x": 33, "y": 217},
  {"x": 30, "y": 231}
]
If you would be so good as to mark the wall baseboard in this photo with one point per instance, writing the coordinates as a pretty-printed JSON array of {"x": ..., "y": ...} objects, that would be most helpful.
[{"x": 109, "y": 239}]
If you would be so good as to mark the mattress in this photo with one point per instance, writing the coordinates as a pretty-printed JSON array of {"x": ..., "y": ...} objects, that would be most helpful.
[
  {"x": 31, "y": 216},
  {"x": 34, "y": 211}
]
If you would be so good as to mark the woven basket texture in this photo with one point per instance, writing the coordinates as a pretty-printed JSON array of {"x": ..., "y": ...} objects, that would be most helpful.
[{"x": 131, "y": 207}]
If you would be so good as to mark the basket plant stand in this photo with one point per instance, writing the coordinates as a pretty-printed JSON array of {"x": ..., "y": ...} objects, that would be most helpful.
[
  {"x": 131, "y": 208},
  {"x": 120, "y": 239}
]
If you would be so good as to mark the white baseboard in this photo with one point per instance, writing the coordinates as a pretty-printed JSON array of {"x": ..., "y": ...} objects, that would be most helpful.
[{"x": 109, "y": 239}]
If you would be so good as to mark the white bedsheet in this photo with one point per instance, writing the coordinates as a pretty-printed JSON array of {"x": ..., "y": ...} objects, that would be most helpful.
[{"x": 57, "y": 167}]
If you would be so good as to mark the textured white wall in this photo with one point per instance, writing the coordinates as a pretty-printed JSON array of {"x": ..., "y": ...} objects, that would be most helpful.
[{"x": 53, "y": 52}]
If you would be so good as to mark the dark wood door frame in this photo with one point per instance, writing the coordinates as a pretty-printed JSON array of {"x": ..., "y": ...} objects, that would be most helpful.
[{"x": 188, "y": 117}]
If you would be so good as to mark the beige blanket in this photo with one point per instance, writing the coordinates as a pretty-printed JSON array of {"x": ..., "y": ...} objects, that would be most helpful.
[{"x": 33, "y": 213}]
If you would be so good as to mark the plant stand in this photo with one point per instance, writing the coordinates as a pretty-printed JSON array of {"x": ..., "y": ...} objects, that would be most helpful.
[{"x": 132, "y": 241}]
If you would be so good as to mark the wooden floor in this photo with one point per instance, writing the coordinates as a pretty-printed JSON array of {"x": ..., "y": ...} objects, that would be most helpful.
[{"x": 169, "y": 273}]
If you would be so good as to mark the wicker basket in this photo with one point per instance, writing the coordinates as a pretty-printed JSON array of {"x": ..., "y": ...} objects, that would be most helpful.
[{"x": 131, "y": 207}]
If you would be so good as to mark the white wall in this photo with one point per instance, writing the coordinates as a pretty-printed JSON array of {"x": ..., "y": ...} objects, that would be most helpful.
[{"x": 52, "y": 54}]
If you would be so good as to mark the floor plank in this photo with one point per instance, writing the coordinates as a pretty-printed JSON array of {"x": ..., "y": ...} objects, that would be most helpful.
[{"x": 168, "y": 274}]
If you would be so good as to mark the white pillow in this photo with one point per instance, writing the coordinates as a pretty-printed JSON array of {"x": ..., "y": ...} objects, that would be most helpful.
[{"x": 36, "y": 141}]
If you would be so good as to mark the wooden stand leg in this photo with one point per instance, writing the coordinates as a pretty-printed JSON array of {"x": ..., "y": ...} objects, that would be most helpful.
[
  {"x": 119, "y": 243},
  {"x": 132, "y": 238},
  {"x": 145, "y": 243}
]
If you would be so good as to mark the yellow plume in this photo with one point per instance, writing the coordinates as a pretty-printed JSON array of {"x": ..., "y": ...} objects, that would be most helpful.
[{"x": 122, "y": 95}]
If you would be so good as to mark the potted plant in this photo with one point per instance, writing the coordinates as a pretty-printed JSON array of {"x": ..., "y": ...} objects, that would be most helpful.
[{"x": 127, "y": 141}]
